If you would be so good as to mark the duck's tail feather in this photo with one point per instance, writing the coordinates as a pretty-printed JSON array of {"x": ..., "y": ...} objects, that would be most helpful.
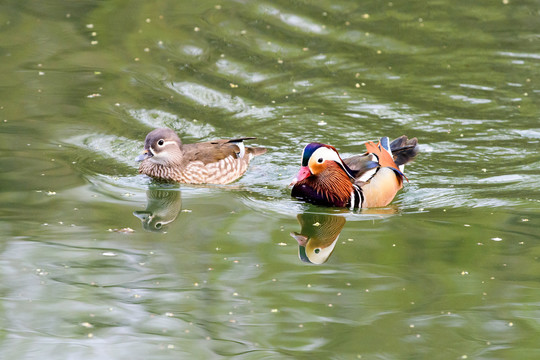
[
  {"x": 404, "y": 149},
  {"x": 254, "y": 151}
]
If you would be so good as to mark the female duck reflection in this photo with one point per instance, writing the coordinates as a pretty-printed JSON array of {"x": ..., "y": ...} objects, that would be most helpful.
[
  {"x": 162, "y": 208},
  {"x": 320, "y": 233}
]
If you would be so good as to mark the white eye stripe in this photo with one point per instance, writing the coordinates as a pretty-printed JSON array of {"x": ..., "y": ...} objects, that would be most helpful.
[
  {"x": 326, "y": 154},
  {"x": 165, "y": 143}
]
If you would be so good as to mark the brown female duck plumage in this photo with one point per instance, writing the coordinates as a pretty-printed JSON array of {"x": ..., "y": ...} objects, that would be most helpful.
[{"x": 212, "y": 162}]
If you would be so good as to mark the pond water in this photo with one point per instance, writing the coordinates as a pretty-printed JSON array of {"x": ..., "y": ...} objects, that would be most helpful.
[{"x": 97, "y": 261}]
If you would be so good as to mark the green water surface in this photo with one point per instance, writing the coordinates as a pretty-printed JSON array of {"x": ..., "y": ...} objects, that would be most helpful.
[{"x": 98, "y": 262}]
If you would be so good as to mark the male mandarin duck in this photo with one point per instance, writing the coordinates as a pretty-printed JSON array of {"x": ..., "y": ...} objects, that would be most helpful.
[
  {"x": 212, "y": 162},
  {"x": 368, "y": 180}
]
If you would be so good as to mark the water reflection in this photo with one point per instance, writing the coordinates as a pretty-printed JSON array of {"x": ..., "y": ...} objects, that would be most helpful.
[
  {"x": 319, "y": 232},
  {"x": 318, "y": 236},
  {"x": 162, "y": 208}
]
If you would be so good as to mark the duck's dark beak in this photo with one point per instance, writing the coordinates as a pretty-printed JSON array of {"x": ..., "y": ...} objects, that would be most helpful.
[
  {"x": 145, "y": 155},
  {"x": 143, "y": 215}
]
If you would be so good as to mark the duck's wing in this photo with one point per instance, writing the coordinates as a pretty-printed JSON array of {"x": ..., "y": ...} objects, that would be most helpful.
[
  {"x": 362, "y": 166},
  {"x": 216, "y": 150}
]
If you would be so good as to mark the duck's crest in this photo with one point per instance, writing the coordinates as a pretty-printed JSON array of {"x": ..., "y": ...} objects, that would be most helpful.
[{"x": 309, "y": 150}]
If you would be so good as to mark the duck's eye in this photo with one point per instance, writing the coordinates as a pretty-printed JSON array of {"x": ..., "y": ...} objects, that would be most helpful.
[
  {"x": 317, "y": 251},
  {"x": 320, "y": 160},
  {"x": 161, "y": 142}
]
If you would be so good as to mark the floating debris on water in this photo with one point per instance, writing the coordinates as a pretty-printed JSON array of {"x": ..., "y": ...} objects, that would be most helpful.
[
  {"x": 496, "y": 239},
  {"x": 108, "y": 253},
  {"x": 126, "y": 230},
  {"x": 41, "y": 272}
]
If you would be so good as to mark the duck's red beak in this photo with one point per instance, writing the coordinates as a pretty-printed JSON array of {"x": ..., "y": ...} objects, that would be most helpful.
[{"x": 302, "y": 174}]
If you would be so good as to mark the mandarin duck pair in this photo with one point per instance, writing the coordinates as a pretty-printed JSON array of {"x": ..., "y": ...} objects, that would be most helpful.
[{"x": 371, "y": 179}]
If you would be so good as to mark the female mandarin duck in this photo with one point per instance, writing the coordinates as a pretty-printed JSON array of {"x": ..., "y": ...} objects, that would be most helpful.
[
  {"x": 368, "y": 180},
  {"x": 212, "y": 162}
]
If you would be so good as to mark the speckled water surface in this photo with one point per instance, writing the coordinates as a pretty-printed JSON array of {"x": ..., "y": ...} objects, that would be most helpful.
[{"x": 98, "y": 262}]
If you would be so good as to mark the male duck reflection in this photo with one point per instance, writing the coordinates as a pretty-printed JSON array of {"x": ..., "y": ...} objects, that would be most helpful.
[
  {"x": 368, "y": 180},
  {"x": 318, "y": 236},
  {"x": 212, "y": 162},
  {"x": 162, "y": 208},
  {"x": 320, "y": 232}
]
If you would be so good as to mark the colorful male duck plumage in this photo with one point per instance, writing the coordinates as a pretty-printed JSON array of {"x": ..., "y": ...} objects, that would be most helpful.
[
  {"x": 212, "y": 162},
  {"x": 368, "y": 180}
]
